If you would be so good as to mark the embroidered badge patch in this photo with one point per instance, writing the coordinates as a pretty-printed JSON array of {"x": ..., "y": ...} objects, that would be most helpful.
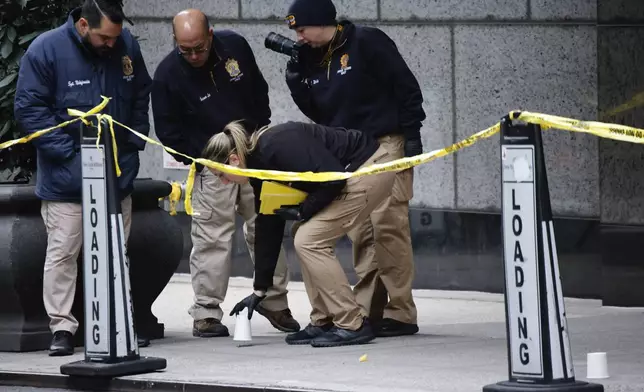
[
  {"x": 128, "y": 69},
  {"x": 232, "y": 67},
  {"x": 344, "y": 64}
]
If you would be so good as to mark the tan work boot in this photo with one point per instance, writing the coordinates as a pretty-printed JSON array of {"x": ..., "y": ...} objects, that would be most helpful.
[
  {"x": 280, "y": 319},
  {"x": 209, "y": 328}
]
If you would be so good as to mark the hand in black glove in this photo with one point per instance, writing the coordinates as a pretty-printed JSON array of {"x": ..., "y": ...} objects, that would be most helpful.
[
  {"x": 413, "y": 147},
  {"x": 289, "y": 213},
  {"x": 294, "y": 76},
  {"x": 249, "y": 302}
]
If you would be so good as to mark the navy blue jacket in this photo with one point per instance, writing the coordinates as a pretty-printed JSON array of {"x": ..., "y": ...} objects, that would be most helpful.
[
  {"x": 192, "y": 104},
  {"x": 58, "y": 72},
  {"x": 365, "y": 84}
]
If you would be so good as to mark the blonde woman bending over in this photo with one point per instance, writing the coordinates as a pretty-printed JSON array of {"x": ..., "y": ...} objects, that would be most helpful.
[{"x": 329, "y": 211}]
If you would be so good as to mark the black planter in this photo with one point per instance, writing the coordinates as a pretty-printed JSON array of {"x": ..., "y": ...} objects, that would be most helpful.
[{"x": 155, "y": 247}]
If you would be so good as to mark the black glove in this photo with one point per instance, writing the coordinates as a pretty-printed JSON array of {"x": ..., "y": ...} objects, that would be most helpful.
[
  {"x": 249, "y": 302},
  {"x": 294, "y": 76},
  {"x": 289, "y": 213},
  {"x": 413, "y": 147}
]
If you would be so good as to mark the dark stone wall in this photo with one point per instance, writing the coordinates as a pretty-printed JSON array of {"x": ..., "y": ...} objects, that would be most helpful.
[{"x": 457, "y": 251}]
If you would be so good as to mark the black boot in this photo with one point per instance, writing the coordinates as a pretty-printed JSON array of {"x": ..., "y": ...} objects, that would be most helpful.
[
  {"x": 345, "y": 337},
  {"x": 389, "y": 327},
  {"x": 309, "y": 333},
  {"x": 62, "y": 344},
  {"x": 142, "y": 341}
]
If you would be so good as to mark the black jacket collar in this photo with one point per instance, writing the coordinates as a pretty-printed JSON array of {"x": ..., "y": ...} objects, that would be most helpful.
[{"x": 344, "y": 32}]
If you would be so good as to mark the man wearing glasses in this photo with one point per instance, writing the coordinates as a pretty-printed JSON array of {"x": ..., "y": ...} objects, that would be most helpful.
[{"x": 208, "y": 80}]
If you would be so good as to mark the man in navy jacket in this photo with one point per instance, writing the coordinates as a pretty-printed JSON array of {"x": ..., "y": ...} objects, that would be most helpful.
[
  {"x": 210, "y": 79},
  {"x": 71, "y": 67},
  {"x": 354, "y": 76}
]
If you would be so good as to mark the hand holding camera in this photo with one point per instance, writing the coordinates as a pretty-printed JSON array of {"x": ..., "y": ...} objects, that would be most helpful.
[
  {"x": 281, "y": 44},
  {"x": 293, "y": 76}
]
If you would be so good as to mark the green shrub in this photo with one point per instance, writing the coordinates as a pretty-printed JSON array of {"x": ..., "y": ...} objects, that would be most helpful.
[{"x": 20, "y": 22}]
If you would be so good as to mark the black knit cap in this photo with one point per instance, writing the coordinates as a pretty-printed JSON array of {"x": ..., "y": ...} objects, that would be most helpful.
[{"x": 311, "y": 13}]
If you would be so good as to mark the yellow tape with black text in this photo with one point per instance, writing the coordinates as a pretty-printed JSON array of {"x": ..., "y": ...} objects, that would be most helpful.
[{"x": 546, "y": 121}]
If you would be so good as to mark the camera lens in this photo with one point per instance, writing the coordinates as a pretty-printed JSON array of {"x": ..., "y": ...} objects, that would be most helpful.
[{"x": 279, "y": 43}]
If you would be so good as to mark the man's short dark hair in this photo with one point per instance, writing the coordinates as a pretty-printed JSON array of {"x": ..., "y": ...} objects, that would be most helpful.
[{"x": 94, "y": 11}]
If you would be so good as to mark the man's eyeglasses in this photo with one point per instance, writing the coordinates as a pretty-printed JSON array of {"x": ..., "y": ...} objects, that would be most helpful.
[{"x": 190, "y": 51}]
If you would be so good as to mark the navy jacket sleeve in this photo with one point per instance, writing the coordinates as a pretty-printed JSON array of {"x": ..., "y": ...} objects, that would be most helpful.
[
  {"x": 269, "y": 232},
  {"x": 261, "y": 102},
  {"x": 167, "y": 119},
  {"x": 140, "y": 121},
  {"x": 33, "y": 107},
  {"x": 389, "y": 67}
]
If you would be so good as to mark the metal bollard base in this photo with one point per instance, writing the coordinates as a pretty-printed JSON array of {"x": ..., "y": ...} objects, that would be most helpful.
[
  {"x": 116, "y": 369},
  {"x": 577, "y": 386}
]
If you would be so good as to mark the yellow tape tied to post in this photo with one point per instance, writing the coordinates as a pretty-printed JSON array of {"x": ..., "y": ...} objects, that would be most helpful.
[
  {"x": 80, "y": 116},
  {"x": 546, "y": 121}
]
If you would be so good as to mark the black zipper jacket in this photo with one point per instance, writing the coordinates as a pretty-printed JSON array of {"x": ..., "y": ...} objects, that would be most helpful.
[
  {"x": 301, "y": 147},
  {"x": 192, "y": 104},
  {"x": 362, "y": 83}
]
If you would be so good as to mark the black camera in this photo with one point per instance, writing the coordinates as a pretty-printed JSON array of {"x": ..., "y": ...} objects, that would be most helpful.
[{"x": 281, "y": 44}]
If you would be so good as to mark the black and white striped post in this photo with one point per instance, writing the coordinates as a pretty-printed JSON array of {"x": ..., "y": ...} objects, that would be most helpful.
[
  {"x": 111, "y": 348},
  {"x": 539, "y": 355}
]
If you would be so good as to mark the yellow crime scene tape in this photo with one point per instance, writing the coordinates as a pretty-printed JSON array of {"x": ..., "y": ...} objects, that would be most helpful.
[
  {"x": 636, "y": 101},
  {"x": 546, "y": 121}
]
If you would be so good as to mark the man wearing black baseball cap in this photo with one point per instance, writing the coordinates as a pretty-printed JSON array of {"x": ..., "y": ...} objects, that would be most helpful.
[{"x": 354, "y": 77}]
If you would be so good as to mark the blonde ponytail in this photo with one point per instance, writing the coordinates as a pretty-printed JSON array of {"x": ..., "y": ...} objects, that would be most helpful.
[
  {"x": 254, "y": 138},
  {"x": 232, "y": 140}
]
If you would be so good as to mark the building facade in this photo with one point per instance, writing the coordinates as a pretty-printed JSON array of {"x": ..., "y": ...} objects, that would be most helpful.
[{"x": 475, "y": 62}]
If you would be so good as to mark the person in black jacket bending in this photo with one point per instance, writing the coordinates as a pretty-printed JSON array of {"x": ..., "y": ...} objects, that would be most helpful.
[
  {"x": 330, "y": 210},
  {"x": 354, "y": 77},
  {"x": 208, "y": 80}
]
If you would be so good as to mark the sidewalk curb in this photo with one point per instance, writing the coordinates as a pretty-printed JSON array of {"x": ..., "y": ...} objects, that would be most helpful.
[{"x": 42, "y": 380}]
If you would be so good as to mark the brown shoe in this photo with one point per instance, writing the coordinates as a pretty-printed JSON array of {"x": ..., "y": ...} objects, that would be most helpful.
[
  {"x": 209, "y": 328},
  {"x": 280, "y": 319}
]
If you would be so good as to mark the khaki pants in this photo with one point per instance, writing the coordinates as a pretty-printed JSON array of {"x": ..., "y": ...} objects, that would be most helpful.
[
  {"x": 64, "y": 225},
  {"x": 212, "y": 240},
  {"x": 326, "y": 284},
  {"x": 382, "y": 251}
]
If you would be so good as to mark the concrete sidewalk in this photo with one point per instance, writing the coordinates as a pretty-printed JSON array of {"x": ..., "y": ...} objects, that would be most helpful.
[{"x": 461, "y": 347}]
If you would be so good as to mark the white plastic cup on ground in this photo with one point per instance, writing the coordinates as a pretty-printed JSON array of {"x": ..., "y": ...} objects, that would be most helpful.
[
  {"x": 242, "y": 327},
  {"x": 597, "y": 365}
]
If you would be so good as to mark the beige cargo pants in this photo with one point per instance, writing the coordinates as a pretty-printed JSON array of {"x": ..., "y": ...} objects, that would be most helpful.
[
  {"x": 326, "y": 284},
  {"x": 64, "y": 225},
  {"x": 212, "y": 240},
  {"x": 382, "y": 251}
]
